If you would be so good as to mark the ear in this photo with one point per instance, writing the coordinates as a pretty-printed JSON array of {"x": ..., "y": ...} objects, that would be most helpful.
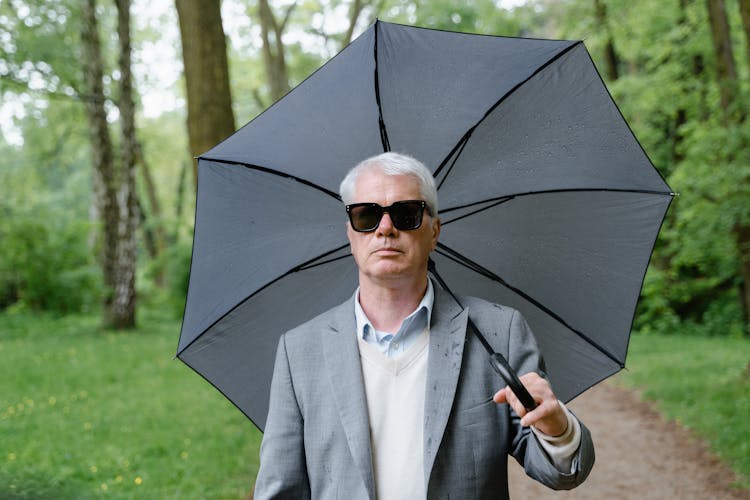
[
  {"x": 349, "y": 232},
  {"x": 435, "y": 231}
]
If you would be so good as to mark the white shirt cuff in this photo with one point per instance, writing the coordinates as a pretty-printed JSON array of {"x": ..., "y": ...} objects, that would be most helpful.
[{"x": 561, "y": 449}]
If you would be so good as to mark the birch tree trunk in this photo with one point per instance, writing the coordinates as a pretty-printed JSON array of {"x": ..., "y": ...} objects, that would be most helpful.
[
  {"x": 123, "y": 304},
  {"x": 102, "y": 156}
]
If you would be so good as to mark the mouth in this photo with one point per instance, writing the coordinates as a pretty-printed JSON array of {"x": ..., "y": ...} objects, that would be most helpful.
[{"x": 388, "y": 251}]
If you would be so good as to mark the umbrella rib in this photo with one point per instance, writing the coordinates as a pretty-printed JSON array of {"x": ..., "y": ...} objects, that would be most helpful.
[
  {"x": 279, "y": 173},
  {"x": 497, "y": 202},
  {"x": 462, "y": 143},
  {"x": 310, "y": 266},
  {"x": 220, "y": 391},
  {"x": 467, "y": 135},
  {"x": 468, "y": 263},
  {"x": 381, "y": 122},
  {"x": 502, "y": 199},
  {"x": 301, "y": 267}
]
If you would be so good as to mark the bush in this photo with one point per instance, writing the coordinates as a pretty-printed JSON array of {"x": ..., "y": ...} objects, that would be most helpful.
[{"x": 45, "y": 265}]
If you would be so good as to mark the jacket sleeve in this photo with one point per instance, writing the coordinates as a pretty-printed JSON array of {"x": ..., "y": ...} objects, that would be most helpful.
[
  {"x": 524, "y": 356},
  {"x": 283, "y": 471}
]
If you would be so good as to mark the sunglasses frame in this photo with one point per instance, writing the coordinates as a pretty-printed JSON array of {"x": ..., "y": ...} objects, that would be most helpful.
[{"x": 383, "y": 210}]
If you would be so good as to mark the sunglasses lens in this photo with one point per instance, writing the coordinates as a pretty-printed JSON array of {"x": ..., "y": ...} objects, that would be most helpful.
[
  {"x": 365, "y": 217},
  {"x": 406, "y": 215}
]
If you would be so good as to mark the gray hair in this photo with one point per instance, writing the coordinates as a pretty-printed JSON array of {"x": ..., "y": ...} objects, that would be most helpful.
[{"x": 394, "y": 164}]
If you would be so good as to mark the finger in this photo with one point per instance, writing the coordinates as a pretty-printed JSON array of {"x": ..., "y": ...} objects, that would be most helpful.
[
  {"x": 514, "y": 402},
  {"x": 500, "y": 396},
  {"x": 543, "y": 410}
]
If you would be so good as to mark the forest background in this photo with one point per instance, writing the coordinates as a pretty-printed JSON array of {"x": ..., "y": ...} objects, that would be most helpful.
[{"x": 104, "y": 103}]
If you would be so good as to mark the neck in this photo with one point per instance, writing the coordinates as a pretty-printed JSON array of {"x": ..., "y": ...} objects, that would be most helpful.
[{"x": 388, "y": 304}]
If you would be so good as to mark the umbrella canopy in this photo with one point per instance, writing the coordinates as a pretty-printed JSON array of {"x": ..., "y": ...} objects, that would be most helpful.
[{"x": 548, "y": 202}]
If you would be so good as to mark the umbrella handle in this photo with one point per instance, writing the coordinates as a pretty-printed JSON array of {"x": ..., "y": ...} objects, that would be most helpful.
[{"x": 501, "y": 366}]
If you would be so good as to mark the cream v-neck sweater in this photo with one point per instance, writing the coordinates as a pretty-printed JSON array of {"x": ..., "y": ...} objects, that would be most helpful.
[{"x": 395, "y": 391}]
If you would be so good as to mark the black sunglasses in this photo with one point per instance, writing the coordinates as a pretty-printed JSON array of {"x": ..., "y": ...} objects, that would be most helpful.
[{"x": 406, "y": 215}]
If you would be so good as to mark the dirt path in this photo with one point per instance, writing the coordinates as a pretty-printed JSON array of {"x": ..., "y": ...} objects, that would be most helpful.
[{"x": 638, "y": 456}]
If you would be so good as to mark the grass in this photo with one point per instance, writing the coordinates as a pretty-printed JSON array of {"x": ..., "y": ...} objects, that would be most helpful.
[
  {"x": 703, "y": 383},
  {"x": 87, "y": 413}
]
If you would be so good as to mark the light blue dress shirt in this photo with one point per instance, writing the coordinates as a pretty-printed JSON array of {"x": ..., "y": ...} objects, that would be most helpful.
[{"x": 390, "y": 344}]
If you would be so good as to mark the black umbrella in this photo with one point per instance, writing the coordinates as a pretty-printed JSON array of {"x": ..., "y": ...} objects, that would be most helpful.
[{"x": 548, "y": 202}]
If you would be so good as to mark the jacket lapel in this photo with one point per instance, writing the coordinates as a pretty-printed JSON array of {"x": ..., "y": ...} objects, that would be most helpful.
[
  {"x": 447, "y": 335},
  {"x": 345, "y": 376}
]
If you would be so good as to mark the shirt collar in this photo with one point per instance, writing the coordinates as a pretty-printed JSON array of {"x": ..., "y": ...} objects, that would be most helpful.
[{"x": 363, "y": 323}]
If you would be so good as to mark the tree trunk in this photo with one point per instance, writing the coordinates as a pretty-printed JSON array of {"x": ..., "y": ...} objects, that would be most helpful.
[
  {"x": 204, "y": 53},
  {"x": 274, "y": 58},
  {"x": 123, "y": 305},
  {"x": 154, "y": 221},
  {"x": 726, "y": 71},
  {"x": 745, "y": 14},
  {"x": 742, "y": 237},
  {"x": 354, "y": 11},
  {"x": 726, "y": 74},
  {"x": 610, "y": 55},
  {"x": 101, "y": 152}
]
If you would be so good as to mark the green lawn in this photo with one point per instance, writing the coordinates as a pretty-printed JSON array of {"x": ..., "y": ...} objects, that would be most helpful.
[
  {"x": 701, "y": 382},
  {"x": 85, "y": 413}
]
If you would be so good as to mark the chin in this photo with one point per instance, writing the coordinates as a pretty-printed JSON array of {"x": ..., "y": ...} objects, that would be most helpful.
[{"x": 390, "y": 272}]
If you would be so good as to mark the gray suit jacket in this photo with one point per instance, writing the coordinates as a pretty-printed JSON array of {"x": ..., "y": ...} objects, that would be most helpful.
[{"x": 317, "y": 440}]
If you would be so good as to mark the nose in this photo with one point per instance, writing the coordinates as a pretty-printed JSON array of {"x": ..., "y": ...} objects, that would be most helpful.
[{"x": 386, "y": 227}]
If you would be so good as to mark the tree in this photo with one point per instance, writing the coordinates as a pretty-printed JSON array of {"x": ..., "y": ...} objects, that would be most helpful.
[
  {"x": 726, "y": 75},
  {"x": 610, "y": 55},
  {"x": 102, "y": 154},
  {"x": 726, "y": 71},
  {"x": 123, "y": 304},
  {"x": 274, "y": 57},
  {"x": 114, "y": 189},
  {"x": 204, "y": 53},
  {"x": 745, "y": 16}
]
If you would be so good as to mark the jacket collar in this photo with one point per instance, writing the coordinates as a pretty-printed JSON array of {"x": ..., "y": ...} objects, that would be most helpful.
[
  {"x": 341, "y": 354},
  {"x": 447, "y": 335}
]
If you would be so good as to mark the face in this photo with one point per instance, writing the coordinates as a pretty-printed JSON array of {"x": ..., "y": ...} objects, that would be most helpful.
[{"x": 388, "y": 253}]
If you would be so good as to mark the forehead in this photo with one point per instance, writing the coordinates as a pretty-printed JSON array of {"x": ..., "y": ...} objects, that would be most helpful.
[{"x": 374, "y": 185}]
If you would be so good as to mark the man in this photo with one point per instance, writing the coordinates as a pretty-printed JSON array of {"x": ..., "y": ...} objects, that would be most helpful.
[{"x": 388, "y": 395}]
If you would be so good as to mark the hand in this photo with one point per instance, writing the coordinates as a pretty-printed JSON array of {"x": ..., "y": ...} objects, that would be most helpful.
[{"x": 548, "y": 417}]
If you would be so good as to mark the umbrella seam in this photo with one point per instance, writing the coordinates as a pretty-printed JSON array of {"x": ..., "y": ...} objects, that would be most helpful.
[
  {"x": 278, "y": 173},
  {"x": 473, "y": 266},
  {"x": 381, "y": 123},
  {"x": 467, "y": 135}
]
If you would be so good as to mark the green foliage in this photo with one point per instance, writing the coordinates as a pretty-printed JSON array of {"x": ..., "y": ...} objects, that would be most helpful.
[
  {"x": 46, "y": 266},
  {"x": 87, "y": 413},
  {"x": 45, "y": 261},
  {"x": 39, "y": 48},
  {"x": 474, "y": 16},
  {"x": 668, "y": 91},
  {"x": 702, "y": 383}
]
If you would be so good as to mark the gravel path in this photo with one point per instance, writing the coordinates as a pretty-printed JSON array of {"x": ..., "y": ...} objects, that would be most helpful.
[{"x": 638, "y": 456}]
